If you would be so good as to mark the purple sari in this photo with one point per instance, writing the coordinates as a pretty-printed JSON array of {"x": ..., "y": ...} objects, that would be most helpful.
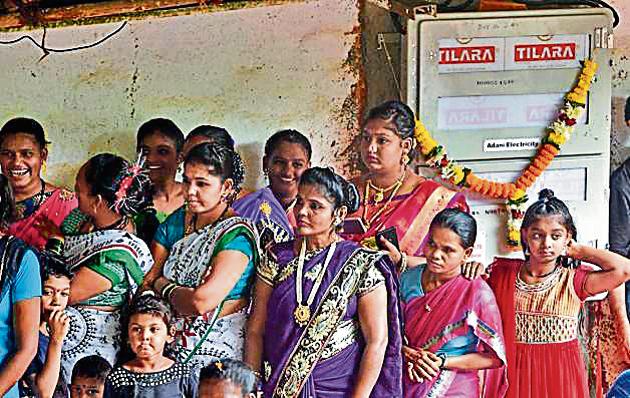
[
  {"x": 322, "y": 359},
  {"x": 277, "y": 221}
]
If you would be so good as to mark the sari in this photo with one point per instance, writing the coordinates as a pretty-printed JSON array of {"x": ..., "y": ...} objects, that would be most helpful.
[
  {"x": 540, "y": 322},
  {"x": 411, "y": 214},
  {"x": 55, "y": 206},
  {"x": 457, "y": 318},
  {"x": 322, "y": 359},
  {"x": 201, "y": 339},
  {"x": 266, "y": 212},
  {"x": 123, "y": 259}
]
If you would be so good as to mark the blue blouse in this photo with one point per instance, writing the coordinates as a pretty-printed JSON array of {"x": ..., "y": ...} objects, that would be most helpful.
[
  {"x": 172, "y": 230},
  {"x": 410, "y": 288}
]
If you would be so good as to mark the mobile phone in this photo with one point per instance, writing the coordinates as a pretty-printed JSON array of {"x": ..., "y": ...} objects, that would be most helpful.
[
  {"x": 354, "y": 225},
  {"x": 390, "y": 235}
]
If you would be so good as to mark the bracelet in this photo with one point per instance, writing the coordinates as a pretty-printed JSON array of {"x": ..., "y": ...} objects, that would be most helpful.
[
  {"x": 403, "y": 262},
  {"x": 442, "y": 356},
  {"x": 170, "y": 293},
  {"x": 167, "y": 290}
]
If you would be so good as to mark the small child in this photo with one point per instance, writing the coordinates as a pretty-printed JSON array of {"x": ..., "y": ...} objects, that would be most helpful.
[
  {"x": 88, "y": 377},
  {"x": 43, "y": 377},
  {"x": 150, "y": 373},
  {"x": 226, "y": 378}
]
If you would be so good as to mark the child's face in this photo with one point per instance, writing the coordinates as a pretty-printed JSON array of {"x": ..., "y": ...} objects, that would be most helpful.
[
  {"x": 546, "y": 239},
  {"x": 56, "y": 291},
  {"x": 87, "y": 387},
  {"x": 148, "y": 334},
  {"x": 214, "y": 388}
]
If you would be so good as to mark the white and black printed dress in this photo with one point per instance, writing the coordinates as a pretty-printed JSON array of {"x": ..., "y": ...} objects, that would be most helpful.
[{"x": 177, "y": 381}]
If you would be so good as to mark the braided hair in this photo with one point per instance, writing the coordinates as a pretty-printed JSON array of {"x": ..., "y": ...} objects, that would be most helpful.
[
  {"x": 124, "y": 187},
  {"x": 7, "y": 202},
  {"x": 548, "y": 205},
  {"x": 224, "y": 161}
]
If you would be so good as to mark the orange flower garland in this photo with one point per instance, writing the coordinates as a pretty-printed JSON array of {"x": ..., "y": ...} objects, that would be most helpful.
[{"x": 514, "y": 192}]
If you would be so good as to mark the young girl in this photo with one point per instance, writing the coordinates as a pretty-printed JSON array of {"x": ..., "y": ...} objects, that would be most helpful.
[
  {"x": 43, "y": 377},
  {"x": 150, "y": 374},
  {"x": 226, "y": 378},
  {"x": 540, "y": 299}
]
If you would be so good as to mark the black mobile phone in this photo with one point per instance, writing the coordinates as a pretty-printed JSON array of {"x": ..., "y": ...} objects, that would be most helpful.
[
  {"x": 354, "y": 225},
  {"x": 390, "y": 235}
]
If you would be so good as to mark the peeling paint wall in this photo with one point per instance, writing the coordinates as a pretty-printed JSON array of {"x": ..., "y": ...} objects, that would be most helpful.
[
  {"x": 620, "y": 141},
  {"x": 253, "y": 71}
]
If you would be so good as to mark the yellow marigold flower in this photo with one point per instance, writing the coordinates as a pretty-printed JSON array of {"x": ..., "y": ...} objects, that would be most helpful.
[
  {"x": 458, "y": 175},
  {"x": 265, "y": 208},
  {"x": 514, "y": 235},
  {"x": 518, "y": 194}
]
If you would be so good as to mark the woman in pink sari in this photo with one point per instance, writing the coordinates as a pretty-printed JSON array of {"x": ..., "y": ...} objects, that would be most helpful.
[
  {"x": 23, "y": 152},
  {"x": 452, "y": 324},
  {"x": 392, "y": 194}
]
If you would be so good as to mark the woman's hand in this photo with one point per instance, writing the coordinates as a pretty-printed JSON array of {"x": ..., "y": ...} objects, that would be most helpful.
[
  {"x": 425, "y": 365},
  {"x": 574, "y": 250},
  {"x": 473, "y": 270},
  {"x": 394, "y": 254},
  {"x": 59, "y": 324}
]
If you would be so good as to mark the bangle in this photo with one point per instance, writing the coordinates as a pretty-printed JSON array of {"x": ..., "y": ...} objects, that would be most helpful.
[
  {"x": 167, "y": 290},
  {"x": 442, "y": 356},
  {"x": 403, "y": 262}
]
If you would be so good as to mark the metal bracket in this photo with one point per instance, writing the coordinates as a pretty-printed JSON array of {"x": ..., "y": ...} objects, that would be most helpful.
[{"x": 410, "y": 8}]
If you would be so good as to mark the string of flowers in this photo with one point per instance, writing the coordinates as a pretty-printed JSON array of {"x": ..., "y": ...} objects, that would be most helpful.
[{"x": 514, "y": 193}]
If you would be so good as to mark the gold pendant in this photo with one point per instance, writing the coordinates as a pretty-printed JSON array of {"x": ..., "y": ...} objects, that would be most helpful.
[
  {"x": 379, "y": 196},
  {"x": 302, "y": 314}
]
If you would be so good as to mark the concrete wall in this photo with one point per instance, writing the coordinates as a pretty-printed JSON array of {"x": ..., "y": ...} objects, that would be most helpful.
[
  {"x": 253, "y": 71},
  {"x": 620, "y": 142}
]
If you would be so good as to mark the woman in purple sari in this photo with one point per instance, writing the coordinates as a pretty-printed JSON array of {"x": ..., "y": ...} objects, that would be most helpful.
[
  {"x": 452, "y": 324},
  {"x": 287, "y": 155},
  {"x": 325, "y": 320}
]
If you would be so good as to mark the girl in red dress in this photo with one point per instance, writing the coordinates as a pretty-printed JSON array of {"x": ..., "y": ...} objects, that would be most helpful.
[{"x": 540, "y": 299}]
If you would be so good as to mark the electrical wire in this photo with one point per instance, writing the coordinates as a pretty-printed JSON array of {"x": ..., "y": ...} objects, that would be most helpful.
[
  {"x": 48, "y": 50},
  {"x": 590, "y": 3}
]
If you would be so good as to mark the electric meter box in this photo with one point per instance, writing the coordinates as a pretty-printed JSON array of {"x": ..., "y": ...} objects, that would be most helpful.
[{"x": 487, "y": 84}]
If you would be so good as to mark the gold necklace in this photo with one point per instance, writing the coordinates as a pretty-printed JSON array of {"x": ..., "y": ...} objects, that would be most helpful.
[
  {"x": 302, "y": 313},
  {"x": 379, "y": 192},
  {"x": 396, "y": 186}
]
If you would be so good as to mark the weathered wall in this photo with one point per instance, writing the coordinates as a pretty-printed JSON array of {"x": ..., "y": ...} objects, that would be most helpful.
[
  {"x": 620, "y": 144},
  {"x": 253, "y": 71}
]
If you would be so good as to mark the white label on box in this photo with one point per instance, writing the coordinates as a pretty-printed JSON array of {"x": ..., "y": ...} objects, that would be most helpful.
[
  {"x": 548, "y": 52},
  {"x": 499, "y": 111},
  {"x": 475, "y": 55},
  {"x": 510, "y": 144}
]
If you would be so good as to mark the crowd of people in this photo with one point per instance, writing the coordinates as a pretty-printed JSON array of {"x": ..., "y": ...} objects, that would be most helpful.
[{"x": 138, "y": 285}]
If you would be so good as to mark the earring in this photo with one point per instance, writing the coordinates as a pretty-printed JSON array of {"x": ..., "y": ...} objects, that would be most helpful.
[
  {"x": 405, "y": 159},
  {"x": 44, "y": 168}
]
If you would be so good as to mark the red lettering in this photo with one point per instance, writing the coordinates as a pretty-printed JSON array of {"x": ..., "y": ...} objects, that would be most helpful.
[
  {"x": 544, "y": 52},
  {"x": 467, "y": 55}
]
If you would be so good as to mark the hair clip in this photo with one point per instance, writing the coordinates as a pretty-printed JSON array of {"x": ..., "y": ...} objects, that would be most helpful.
[{"x": 219, "y": 365}]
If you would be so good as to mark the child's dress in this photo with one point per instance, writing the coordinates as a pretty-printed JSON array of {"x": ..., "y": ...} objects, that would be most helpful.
[{"x": 177, "y": 381}]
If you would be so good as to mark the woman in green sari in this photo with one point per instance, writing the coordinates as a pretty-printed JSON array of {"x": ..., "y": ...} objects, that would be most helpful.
[{"x": 209, "y": 272}]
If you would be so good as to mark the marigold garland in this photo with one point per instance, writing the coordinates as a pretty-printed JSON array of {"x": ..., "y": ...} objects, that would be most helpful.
[{"x": 514, "y": 192}]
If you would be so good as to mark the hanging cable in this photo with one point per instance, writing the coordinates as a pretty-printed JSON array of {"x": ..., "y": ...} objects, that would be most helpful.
[
  {"x": 589, "y": 3},
  {"x": 47, "y": 50}
]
